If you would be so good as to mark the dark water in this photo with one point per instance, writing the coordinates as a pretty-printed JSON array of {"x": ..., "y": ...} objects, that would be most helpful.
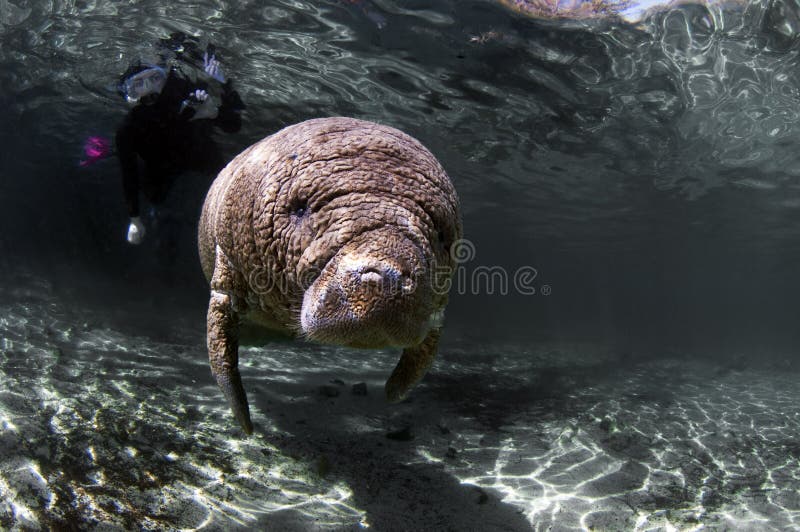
[{"x": 648, "y": 172}]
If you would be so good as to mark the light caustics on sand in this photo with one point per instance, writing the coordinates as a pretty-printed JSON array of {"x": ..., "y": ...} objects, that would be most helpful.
[
  {"x": 103, "y": 427},
  {"x": 718, "y": 452},
  {"x": 109, "y": 428}
]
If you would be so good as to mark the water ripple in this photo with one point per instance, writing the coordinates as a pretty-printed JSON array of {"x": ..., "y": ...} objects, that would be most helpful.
[{"x": 681, "y": 98}]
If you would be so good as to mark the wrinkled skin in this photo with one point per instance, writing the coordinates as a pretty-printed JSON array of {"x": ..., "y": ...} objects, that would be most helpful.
[
  {"x": 336, "y": 230},
  {"x": 633, "y": 11},
  {"x": 575, "y": 9}
]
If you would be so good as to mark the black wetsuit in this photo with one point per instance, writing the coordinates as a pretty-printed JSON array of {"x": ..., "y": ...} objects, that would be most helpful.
[{"x": 169, "y": 142}]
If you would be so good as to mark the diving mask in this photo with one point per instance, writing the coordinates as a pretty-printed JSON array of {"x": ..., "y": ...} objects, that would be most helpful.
[{"x": 144, "y": 83}]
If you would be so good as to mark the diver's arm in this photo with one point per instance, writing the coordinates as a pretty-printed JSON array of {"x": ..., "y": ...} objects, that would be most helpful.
[
  {"x": 180, "y": 92},
  {"x": 229, "y": 118}
]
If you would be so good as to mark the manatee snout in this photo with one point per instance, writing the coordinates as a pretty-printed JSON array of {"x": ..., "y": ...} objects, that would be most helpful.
[{"x": 371, "y": 295}]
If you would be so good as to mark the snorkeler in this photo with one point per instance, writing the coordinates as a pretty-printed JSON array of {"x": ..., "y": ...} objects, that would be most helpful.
[{"x": 170, "y": 130}]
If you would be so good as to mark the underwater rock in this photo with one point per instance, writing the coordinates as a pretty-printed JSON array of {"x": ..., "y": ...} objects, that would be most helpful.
[
  {"x": 323, "y": 466},
  {"x": 329, "y": 391},
  {"x": 607, "y": 424},
  {"x": 403, "y": 434}
]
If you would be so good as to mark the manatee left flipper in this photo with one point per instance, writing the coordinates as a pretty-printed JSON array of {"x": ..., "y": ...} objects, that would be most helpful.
[
  {"x": 413, "y": 364},
  {"x": 223, "y": 339}
]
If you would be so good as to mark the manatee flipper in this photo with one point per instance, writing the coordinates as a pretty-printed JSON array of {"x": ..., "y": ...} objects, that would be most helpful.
[
  {"x": 414, "y": 362},
  {"x": 223, "y": 341}
]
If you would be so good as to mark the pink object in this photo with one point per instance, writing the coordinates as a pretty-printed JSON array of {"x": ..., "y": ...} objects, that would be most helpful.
[{"x": 95, "y": 148}]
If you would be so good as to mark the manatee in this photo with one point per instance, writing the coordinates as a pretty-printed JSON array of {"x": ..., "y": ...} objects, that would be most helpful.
[
  {"x": 334, "y": 230},
  {"x": 632, "y": 11}
]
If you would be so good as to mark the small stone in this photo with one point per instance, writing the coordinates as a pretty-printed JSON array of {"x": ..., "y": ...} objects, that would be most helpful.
[
  {"x": 323, "y": 466},
  {"x": 403, "y": 434},
  {"x": 338, "y": 382},
  {"x": 360, "y": 388},
  {"x": 607, "y": 424},
  {"x": 329, "y": 391},
  {"x": 191, "y": 414},
  {"x": 451, "y": 453}
]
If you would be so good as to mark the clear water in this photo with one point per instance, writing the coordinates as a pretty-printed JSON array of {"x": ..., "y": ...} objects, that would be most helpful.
[{"x": 647, "y": 170}]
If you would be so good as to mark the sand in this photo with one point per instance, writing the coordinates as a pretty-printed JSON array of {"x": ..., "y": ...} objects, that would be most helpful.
[{"x": 106, "y": 428}]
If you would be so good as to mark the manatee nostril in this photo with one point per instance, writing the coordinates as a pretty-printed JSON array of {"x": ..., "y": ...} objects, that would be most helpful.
[
  {"x": 387, "y": 276},
  {"x": 377, "y": 274},
  {"x": 371, "y": 276}
]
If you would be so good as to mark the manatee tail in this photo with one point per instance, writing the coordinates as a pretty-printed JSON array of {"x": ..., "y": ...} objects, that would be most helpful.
[
  {"x": 413, "y": 364},
  {"x": 223, "y": 355}
]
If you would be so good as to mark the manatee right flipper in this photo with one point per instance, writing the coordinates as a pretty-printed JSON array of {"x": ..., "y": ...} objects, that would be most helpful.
[
  {"x": 413, "y": 364},
  {"x": 223, "y": 339}
]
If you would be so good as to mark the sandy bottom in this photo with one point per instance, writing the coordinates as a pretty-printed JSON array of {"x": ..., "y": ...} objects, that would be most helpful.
[{"x": 109, "y": 430}]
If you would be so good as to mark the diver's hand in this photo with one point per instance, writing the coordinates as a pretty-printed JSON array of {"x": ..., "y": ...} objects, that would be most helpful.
[
  {"x": 136, "y": 231},
  {"x": 213, "y": 67},
  {"x": 203, "y": 105}
]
